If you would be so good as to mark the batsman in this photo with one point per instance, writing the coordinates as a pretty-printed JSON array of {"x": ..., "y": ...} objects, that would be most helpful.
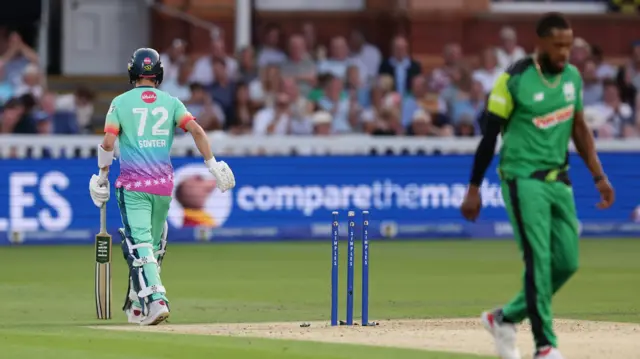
[
  {"x": 144, "y": 120},
  {"x": 536, "y": 105}
]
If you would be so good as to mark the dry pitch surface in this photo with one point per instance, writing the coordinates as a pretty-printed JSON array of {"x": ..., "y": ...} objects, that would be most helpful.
[{"x": 578, "y": 339}]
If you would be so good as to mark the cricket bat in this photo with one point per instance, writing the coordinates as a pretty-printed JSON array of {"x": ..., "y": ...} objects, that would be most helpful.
[{"x": 103, "y": 268}]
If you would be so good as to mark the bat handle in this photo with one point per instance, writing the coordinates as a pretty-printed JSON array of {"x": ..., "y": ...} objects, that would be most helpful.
[{"x": 103, "y": 218}]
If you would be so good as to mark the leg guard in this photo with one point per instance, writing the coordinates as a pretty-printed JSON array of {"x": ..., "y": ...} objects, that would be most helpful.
[
  {"x": 131, "y": 296},
  {"x": 138, "y": 289}
]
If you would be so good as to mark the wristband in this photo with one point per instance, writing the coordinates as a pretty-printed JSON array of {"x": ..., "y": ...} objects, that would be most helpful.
[
  {"x": 597, "y": 179},
  {"x": 105, "y": 158},
  {"x": 210, "y": 161}
]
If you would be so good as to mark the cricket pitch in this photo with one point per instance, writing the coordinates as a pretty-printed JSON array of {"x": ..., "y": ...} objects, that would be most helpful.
[{"x": 577, "y": 338}]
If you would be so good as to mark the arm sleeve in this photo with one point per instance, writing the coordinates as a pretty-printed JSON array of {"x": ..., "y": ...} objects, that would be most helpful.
[
  {"x": 500, "y": 102},
  {"x": 182, "y": 116},
  {"x": 499, "y": 109},
  {"x": 112, "y": 122},
  {"x": 486, "y": 148}
]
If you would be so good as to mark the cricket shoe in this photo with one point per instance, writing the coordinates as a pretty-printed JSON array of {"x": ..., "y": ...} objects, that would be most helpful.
[
  {"x": 134, "y": 315},
  {"x": 158, "y": 313},
  {"x": 548, "y": 353},
  {"x": 504, "y": 335}
]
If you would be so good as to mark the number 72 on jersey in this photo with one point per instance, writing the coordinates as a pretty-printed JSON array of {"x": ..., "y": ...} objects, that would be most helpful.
[{"x": 159, "y": 115}]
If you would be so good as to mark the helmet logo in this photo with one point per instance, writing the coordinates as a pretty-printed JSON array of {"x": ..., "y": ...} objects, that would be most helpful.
[
  {"x": 147, "y": 64},
  {"x": 149, "y": 97}
]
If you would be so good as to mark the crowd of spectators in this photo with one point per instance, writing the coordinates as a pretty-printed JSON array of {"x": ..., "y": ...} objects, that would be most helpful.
[
  {"x": 298, "y": 87},
  {"x": 27, "y": 106},
  {"x": 292, "y": 85}
]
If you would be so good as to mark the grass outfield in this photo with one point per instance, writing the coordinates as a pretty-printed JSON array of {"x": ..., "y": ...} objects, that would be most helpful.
[{"x": 46, "y": 295}]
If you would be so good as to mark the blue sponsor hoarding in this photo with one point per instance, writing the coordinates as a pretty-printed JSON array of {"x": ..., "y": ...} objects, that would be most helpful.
[{"x": 288, "y": 198}]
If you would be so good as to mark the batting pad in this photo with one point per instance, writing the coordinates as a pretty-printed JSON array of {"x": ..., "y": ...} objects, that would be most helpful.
[{"x": 143, "y": 272}]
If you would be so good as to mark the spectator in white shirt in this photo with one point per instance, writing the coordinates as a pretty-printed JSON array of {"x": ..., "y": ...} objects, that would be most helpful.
[
  {"x": 301, "y": 108},
  {"x": 74, "y": 107},
  {"x": 262, "y": 91},
  {"x": 509, "y": 52},
  {"x": 203, "y": 69},
  {"x": 274, "y": 120},
  {"x": 339, "y": 60},
  {"x": 322, "y": 123},
  {"x": 270, "y": 52},
  {"x": 489, "y": 72},
  {"x": 30, "y": 83},
  {"x": 300, "y": 65},
  {"x": 172, "y": 61},
  {"x": 603, "y": 69},
  {"x": 344, "y": 119},
  {"x": 367, "y": 54},
  {"x": 616, "y": 117},
  {"x": 592, "y": 89}
]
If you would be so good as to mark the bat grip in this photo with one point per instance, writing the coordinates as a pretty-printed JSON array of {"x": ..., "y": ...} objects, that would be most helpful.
[{"x": 103, "y": 218}]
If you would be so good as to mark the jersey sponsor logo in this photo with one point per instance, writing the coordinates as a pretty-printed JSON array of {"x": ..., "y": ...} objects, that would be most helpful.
[
  {"x": 112, "y": 109},
  {"x": 538, "y": 97},
  {"x": 554, "y": 118},
  {"x": 149, "y": 97},
  {"x": 496, "y": 98}
]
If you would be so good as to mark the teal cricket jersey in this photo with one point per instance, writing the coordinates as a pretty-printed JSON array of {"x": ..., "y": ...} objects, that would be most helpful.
[{"x": 144, "y": 119}]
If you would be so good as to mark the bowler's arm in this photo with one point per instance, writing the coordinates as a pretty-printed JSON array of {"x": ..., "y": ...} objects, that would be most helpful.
[
  {"x": 497, "y": 113},
  {"x": 585, "y": 145},
  {"x": 583, "y": 138}
]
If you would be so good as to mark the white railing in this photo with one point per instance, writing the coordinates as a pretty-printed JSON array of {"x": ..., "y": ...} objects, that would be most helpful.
[{"x": 16, "y": 146}]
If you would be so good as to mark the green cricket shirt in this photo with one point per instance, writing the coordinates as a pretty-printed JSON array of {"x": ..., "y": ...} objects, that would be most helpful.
[{"x": 538, "y": 117}]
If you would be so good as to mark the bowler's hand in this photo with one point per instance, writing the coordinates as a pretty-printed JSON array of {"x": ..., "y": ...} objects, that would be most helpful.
[
  {"x": 607, "y": 194},
  {"x": 472, "y": 203}
]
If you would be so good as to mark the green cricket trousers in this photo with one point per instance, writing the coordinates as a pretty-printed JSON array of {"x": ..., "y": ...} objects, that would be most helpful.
[
  {"x": 545, "y": 225},
  {"x": 143, "y": 216}
]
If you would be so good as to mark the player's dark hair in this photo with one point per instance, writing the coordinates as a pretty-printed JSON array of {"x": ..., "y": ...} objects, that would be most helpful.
[{"x": 550, "y": 21}]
